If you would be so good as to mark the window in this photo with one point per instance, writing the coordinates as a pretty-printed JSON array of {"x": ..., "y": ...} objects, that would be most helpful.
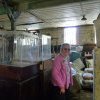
[{"x": 70, "y": 35}]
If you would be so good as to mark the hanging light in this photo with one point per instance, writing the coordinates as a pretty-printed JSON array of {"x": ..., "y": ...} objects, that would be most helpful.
[
  {"x": 83, "y": 13},
  {"x": 84, "y": 18}
]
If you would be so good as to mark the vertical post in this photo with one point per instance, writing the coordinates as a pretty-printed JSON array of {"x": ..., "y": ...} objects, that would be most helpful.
[
  {"x": 12, "y": 20},
  {"x": 13, "y": 25}
]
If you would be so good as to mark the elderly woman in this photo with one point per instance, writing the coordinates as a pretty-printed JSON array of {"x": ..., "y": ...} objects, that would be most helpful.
[{"x": 61, "y": 74}]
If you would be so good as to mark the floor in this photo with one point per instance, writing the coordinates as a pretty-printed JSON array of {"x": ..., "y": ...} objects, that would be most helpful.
[{"x": 83, "y": 95}]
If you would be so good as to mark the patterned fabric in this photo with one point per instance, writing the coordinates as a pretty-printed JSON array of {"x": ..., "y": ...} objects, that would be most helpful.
[
  {"x": 59, "y": 73},
  {"x": 78, "y": 64},
  {"x": 68, "y": 69},
  {"x": 74, "y": 55}
]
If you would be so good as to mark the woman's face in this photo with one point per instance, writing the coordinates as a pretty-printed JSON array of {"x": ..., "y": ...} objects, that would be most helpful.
[{"x": 66, "y": 50}]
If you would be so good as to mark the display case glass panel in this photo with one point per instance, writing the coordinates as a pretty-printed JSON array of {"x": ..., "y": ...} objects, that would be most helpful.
[
  {"x": 46, "y": 47},
  {"x": 6, "y": 47},
  {"x": 26, "y": 47},
  {"x": 19, "y": 47}
]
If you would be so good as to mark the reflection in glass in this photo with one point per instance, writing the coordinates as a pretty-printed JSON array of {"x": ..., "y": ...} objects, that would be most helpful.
[{"x": 46, "y": 47}]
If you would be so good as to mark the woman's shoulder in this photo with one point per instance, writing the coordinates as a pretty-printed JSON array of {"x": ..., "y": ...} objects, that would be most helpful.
[{"x": 59, "y": 57}]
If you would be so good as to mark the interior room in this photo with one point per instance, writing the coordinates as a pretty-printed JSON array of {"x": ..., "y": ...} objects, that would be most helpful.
[{"x": 31, "y": 33}]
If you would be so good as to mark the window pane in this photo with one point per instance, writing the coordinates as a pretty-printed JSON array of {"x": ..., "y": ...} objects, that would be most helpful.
[{"x": 70, "y": 35}]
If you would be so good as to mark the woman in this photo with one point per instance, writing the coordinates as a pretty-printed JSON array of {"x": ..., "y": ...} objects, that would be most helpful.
[{"x": 61, "y": 74}]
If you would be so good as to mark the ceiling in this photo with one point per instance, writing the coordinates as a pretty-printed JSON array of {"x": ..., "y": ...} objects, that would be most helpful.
[{"x": 39, "y": 14}]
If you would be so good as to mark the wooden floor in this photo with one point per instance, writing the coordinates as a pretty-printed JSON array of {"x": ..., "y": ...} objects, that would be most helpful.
[{"x": 83, "y": 95}]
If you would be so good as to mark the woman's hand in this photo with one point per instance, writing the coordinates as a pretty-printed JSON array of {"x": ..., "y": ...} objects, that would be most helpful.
[{"x": 62, "y": 90}]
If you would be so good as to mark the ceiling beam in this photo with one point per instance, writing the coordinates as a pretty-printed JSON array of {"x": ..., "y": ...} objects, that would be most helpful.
[
  {"x": 35, "y": 4},
  {"x": 24, "y": 5}
]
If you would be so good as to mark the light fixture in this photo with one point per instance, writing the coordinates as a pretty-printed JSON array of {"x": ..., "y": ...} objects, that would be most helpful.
[
  {"x": 84, "y": 18},
  {"x": 83, "y": 13}
]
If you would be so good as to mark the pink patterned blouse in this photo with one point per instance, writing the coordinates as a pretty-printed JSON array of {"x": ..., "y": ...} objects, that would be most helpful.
[{"x": 61, "y": 72}]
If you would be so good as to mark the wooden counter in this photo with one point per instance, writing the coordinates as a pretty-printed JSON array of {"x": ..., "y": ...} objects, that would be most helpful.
[{"x": 19, "y": 82}]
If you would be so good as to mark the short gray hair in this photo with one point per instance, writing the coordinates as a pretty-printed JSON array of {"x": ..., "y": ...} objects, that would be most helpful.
[{"x": 63, "y": 45}]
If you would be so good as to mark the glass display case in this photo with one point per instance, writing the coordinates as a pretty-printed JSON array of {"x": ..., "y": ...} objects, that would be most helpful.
[
  {"x": 20, "y": 56},
  {"x": 46, "y": 47},
  {"x": 19, "y": 47},
  {"x": 20, "y": 53}
]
